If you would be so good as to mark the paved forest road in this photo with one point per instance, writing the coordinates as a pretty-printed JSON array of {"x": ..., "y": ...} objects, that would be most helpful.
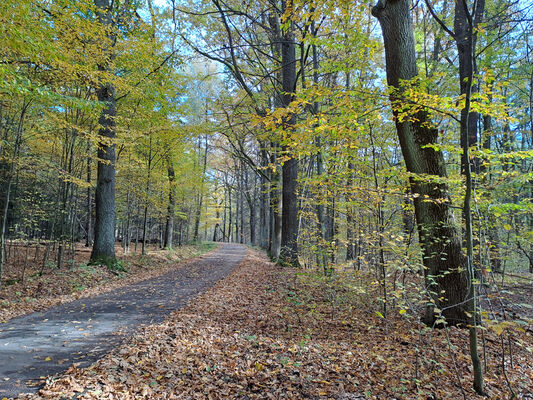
[{"x": 82, "y": 331}]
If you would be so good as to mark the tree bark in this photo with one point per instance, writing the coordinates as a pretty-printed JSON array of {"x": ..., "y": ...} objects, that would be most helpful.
[
  {"x": 7, "y": 187},
  {"x": 145, "y": 215},
  {"x": 443, "y": 258},
  {"x": 169, "y": 227},
  {"x": 103, "y": 250},
  {"x": 200, "y": 194},
  {"x": 89, "y": 221},
  {"x": 289, "y": 229},
  {"x": 264, "y": 216}
]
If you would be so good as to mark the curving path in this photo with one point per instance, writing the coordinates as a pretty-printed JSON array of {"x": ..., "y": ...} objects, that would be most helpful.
[{"x": 48, "y": 342}]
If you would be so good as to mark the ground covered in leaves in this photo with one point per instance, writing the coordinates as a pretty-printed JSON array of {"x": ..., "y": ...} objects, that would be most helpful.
[
  {"x": 270, "y": 333},
  {"x": 28, "y": 286}
]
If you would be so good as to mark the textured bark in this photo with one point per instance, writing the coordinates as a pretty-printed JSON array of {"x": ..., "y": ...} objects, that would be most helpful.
[
  {"x": 104, "y": 225},
  {"x": 289, "y": 225},
  {"x": 446, "y": 278},
  {"x": 465, "y": 40}
]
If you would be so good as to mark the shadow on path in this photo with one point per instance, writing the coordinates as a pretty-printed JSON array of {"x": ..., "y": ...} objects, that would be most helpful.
[{"x": 48, "y": 342}]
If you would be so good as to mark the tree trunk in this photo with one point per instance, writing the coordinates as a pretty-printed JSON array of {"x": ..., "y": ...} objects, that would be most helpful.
[
  {"x": 7, "y": 189},
  {"x": 145, "y": 216},
  {"x": 126, "y": 233},
  {"x": 350, "y": 237},
  {"x": 89, "y": 222},
  {"x": 465, "y": 37},
  {"x": 275, "y": 211},
  {"x": 444, "y": 261},
  {"x": 103, "y": 250},
  {"x": 169, "y": 228},
  {"x": 200, "y": 194},
  {"x": 289, "y": 229},
  {"x": 264, "y": 217},
  {"x": 230, "y": 227},
  {"x": 241, "y": 202}
]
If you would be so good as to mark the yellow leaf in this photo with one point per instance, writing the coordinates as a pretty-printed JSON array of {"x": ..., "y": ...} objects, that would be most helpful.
[
  {"x": 403, "y": 311},
  {"x": 507, "y": 227}
]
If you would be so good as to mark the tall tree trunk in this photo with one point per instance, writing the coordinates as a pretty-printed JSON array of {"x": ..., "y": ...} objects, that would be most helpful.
[
  {"x": 103, "y": 250},
  {"x": 350, "y": 237},
  {"x": 169, "y": 227},
  {"x": 238, "y": 206},
  {"x": 145, "y": 216},
  {"x": 289, "y": 229},
  {"x": 241, "y": 202},
  {"x": 230, "y": 227},
  {"x": 200, "y": 194},
  {"x": 126, "y": 233},
  {"x": 444, "y": 261},
  {"x": 251, "y": 200},
  {"x": 7, "y": 188},
  {"x": 224, "y": 216},
  {"x": 275, "y": 210},
  {"x": 264, "y": 217},
  {"x": 89, "y": 221},
  {"x": 465, "y": 37},
  {"x": 321, "y": 259}
]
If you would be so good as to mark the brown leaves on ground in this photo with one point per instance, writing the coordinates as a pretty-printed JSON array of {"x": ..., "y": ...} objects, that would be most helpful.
[
  {"x": 271, "y": 333},
  {"x": 75, "y": 279}
]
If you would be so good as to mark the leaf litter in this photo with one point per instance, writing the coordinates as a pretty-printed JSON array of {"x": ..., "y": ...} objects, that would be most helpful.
[{"x": 266, "y": 332}]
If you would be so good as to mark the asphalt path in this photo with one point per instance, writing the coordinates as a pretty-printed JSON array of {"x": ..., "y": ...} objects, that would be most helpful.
[{"x": 41, "y": 344}]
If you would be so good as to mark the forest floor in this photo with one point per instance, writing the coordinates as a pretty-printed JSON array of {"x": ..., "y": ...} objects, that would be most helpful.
[
  {"x": 30, "y": 284},
  {"x": 266, "y": 332},
  {"x": 82, "y": 331}
]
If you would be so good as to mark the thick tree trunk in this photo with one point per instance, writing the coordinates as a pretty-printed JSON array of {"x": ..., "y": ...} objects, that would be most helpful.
[
  {"x": 289, "y": 230},
  {"x": 103, "y": 250},
  {"x": 444, "y": 261}
]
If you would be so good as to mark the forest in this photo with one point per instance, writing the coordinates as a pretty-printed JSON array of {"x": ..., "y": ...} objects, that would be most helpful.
[{"x": 379, "y": 153}]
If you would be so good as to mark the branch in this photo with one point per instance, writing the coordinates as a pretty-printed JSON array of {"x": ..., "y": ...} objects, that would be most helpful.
[
  {"x": 440, "y": 22},
  {"x": 149, "y": 74}
]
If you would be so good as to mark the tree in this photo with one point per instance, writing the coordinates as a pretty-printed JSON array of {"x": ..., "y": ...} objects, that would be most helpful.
[
  {"x": 289, "y": 226},
  {"x": 103, "y": 250},
  {"x": 444, "y": 261}
]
